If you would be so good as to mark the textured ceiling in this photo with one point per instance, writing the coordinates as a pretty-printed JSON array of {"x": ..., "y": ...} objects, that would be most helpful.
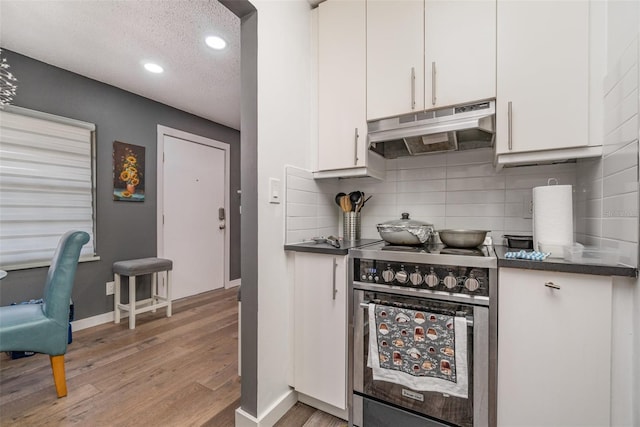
[{"x": 109, "y": 40}]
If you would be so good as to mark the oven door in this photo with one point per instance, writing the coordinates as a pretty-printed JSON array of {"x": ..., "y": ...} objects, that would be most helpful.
[{"x": 374, "y": 400}]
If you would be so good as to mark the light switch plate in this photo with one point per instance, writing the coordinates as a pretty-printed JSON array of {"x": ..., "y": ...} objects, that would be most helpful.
[
  {"x": 275, "y": 190},
  {"x": 527, "y": 206}
]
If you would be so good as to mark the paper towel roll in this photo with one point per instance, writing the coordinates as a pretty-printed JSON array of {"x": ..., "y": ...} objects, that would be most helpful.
[{"x": 552, "y": 218}]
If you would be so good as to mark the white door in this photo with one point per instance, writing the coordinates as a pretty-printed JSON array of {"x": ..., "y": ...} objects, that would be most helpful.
[{"x": 193, "y": 192}]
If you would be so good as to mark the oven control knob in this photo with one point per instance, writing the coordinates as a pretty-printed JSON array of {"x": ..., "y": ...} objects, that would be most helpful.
[
  {"x": 402, "y": 276},
  {"x": 450, "y": 281},
  {"x": 387, "y": 275},
  {"x": 432, "y": 279},
  {"x": 472, "y": 284},
  {"x": 376, "y": 279},
  {"x": 364, "y": 277},
  {"x": 416, "y": 278}
]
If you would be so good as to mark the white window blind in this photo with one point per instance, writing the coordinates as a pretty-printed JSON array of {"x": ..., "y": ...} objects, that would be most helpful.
[{"x": 46, "y": 185}]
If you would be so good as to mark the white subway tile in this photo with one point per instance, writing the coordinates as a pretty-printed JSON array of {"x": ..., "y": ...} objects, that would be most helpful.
[
  {"x": 625, "y": 229},
  {"x": 531, "y": 181},
  {"x": 418, "y": 186},
  {"x": 518, "y": 225},
  {"x": 478, "y": 196},
  {"x": 517, "y": 196},
  {"x": 475, "y": 223},
  {"x": 468, "y": 171},
  {"x": 421, "y": 174},
  {"x": 299, "y": 172},
  {"x": 432, "y": 197},
  {"x": 297, "y": 210},
  {"x": 624, "y": 158},
  {"x": 622, "y": 135},
  {"x": 298, "y": 183},
  {"x": 541, "y": 170},
  {"x": 621, "y": 182},
  {"x": 512, "y": 210},
  {"x": 301, "y": 223},
  {"x": 475, "y": 210},
  {"x": 421, "y": 162},
  {"x": 620, "y": 113},
  {"x": 466, "y": 184},
  {"x": 299, "y": 196},
  {"x": 628, "y": 251},
  {"x": 468, "y": 157},
  {"x": 621, "y": 206},
  {"x": 424, "y": 212}
]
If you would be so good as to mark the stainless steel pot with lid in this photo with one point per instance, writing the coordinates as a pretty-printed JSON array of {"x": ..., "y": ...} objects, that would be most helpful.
[{"x": 405, "y": 231}]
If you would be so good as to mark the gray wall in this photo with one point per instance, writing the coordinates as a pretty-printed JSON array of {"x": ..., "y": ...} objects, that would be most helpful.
[{"x": 124, "y": 230}]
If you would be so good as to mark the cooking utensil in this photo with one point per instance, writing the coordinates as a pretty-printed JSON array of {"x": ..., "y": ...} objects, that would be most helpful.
[
  {"x": 355, "y": 197},
  {"x": 363, "y": 202},
  {"x": 462, "y": 238},
  {"x": 339, "y": 198},
  {"x": 405, "y": 231}
]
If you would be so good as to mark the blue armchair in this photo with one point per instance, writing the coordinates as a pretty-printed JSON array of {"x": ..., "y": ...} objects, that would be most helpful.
[{"x": 43, "y": 328}]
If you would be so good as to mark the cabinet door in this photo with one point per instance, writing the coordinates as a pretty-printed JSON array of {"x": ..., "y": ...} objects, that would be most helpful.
[
  {"x": 320, "y": 329},
  {"x": 543, "y": 74},
  {"x": 395, "y": 57},
  {"x": 554, "y": 349},
  {"x": 460, "y": 46},
  {"x": 342, "y": 125}
]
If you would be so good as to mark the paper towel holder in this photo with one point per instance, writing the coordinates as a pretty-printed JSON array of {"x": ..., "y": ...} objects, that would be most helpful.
[{"x": 554, "y": 180}]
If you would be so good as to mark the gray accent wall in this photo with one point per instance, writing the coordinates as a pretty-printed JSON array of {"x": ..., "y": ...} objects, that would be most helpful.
[
  {"x": 124, "y": 230},
  {"x": 249, "y": 127}
]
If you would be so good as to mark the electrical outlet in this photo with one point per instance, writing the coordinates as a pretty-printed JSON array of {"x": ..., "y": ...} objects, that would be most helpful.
[
  {"x": 527, "y": 206},
  {"x": 111, "y": 288}
]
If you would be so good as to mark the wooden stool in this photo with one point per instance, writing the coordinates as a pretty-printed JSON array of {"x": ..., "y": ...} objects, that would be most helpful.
[{"x": 139, "y": 267}]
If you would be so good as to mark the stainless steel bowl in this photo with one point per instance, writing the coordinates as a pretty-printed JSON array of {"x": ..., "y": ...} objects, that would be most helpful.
[{"x": 462, "y": 238}]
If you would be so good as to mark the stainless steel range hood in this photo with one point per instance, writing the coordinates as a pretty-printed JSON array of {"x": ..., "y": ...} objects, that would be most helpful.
[{"x": 462, "y": 127}]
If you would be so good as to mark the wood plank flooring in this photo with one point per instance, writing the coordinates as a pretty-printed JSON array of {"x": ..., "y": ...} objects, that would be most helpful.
[{"x": 177, "y": 371}]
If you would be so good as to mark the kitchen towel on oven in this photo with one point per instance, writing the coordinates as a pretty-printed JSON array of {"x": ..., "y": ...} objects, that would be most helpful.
[{"x": 417, "y": 349}]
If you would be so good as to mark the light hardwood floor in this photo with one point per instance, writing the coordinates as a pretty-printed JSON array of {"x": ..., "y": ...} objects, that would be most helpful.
[{"x": 177, "y": 371}]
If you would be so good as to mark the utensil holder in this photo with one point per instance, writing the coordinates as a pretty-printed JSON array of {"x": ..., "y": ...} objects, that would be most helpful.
[{"x": 351, "y": 225}]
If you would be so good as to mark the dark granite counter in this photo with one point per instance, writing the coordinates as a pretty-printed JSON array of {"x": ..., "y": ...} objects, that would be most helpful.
[
  {"x": 560, "y": 265},
  {"x": 325, "y": 248}
]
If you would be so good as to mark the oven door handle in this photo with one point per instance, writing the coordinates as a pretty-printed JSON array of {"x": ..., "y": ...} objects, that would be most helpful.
[{"x": 366, "y": 305}]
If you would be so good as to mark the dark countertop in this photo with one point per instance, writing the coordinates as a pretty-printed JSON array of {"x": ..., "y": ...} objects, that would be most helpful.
[
  {"x": 560, "y": 265},
  {"x": 325, "y": 248}
]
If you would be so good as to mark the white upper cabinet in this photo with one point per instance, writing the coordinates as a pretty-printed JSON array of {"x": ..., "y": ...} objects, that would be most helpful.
[
  {"x": 395, "y": 57},
  {"x": 460, "y": 51},
  {"x": 542, "y": 75},
  {"x": 342, "y": 124}
]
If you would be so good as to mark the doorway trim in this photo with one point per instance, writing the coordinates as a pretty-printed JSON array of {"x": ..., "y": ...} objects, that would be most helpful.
[{"x": 163, "y": 131}]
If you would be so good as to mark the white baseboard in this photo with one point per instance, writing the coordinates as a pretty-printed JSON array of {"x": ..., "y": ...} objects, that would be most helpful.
[
  {"x": 324, "y": 407},
  {"x": 271, "y": 415},
  {"x": 78, "y": 325},
  {"x": 234, "y": 283}
]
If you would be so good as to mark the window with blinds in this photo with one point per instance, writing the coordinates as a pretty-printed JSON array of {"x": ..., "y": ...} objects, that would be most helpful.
[{"x": 46, "y": 185}]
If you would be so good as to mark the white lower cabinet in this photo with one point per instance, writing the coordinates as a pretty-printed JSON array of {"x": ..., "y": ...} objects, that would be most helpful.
[
  {"x": 320, "y": 327},
  {"x": 554, "y": 349}
]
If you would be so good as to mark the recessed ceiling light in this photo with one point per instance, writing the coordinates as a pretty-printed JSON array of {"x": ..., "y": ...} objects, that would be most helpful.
[
  {"x": 154, "y": 68},
  {"x": 216, "y": 42}
]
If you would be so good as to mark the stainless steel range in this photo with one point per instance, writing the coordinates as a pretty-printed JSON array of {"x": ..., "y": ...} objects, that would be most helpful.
[{"x": 423, "y": 337}]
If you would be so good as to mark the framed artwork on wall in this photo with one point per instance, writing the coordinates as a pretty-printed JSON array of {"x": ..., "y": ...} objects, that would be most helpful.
[{"x": 128, "y": 172}]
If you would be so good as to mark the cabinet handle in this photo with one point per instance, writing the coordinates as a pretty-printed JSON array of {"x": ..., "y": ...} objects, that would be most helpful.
[
  {"x": 335, "y": 266},
  {"x": 433, "y": 83},
  {"x": 355, "y": 153},
  {"x": 413, "y": 88},
  {"x": 552, "y": 285},
  {"x": 510, "y": 117}
]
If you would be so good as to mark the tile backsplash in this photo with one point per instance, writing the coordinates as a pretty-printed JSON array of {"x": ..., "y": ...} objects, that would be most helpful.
[
  {"x": 607, "y": 214},
  {"x": 449, "y": 190},
  {"x": 456, "y": 190}
]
